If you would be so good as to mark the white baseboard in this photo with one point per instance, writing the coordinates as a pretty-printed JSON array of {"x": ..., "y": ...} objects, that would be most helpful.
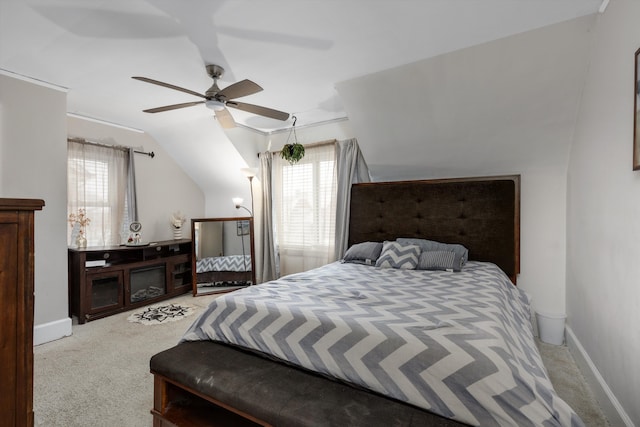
[
  {"x": 51, "y": 331},
  {"x": 610, "y": 405}
]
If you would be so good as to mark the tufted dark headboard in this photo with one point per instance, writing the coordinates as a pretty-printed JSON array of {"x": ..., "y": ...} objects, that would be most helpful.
[{"x": 482, "y": 214}]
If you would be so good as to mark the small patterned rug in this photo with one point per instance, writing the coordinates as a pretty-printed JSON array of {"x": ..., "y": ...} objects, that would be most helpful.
[{"x": 157, "y": 315}]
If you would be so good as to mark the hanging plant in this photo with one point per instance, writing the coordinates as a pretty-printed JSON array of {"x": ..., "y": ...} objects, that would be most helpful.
[
  {"x": 292, "y": 152},
  {"x": 295, "y": 151}
]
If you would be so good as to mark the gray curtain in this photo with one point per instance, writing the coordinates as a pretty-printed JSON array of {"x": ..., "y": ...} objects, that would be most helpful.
[
  {"x": 131, "y": 189},
  {"x": 269, "y": 270},
  {"x": 351, "y": 169}
]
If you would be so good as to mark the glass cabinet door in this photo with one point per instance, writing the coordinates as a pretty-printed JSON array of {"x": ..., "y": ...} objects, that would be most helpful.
[
  {"x": 181, "y": 274},
  {"x": 105, "y": 291}
]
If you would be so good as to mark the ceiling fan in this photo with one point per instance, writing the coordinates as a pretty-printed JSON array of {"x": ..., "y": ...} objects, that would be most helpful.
[{"x": 218, "y": 99}]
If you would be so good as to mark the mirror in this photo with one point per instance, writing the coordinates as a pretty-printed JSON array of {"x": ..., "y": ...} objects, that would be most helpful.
[{"x": 223, "y": 256}]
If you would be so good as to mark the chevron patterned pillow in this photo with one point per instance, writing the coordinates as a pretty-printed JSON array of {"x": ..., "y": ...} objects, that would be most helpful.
[{"x": 397, "y": 255}]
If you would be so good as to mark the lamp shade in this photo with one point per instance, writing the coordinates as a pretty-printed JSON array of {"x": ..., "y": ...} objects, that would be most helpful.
[{"x": 249, "y": 172}]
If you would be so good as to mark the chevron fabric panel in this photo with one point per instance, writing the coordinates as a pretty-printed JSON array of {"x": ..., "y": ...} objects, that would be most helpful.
[
  {"x": 457, "y": 344},
  {"x": 224, "y": 263},
  {"x": 397, "y": 255}
]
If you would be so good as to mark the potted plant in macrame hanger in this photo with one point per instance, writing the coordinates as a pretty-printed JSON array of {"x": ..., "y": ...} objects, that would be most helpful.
[{"x": 295, "y": 151}]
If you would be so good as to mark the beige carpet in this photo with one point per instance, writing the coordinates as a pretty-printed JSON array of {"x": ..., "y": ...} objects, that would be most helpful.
[
  {"x": 100, "y": 375},
  {"x": 570, "y": 384}
]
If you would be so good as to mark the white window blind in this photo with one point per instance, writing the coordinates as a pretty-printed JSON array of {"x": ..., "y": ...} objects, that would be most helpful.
[{"x": 305, "y": 203}]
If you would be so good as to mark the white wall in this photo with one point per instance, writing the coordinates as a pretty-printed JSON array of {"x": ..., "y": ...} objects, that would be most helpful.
[
  {"x": 162, "y": 186},
  {"x": 603, "y": 217},
  {"x": 33, "y": 164},
  {"x": 543, "y": 239},
  {"x": 504, "y": 107}
]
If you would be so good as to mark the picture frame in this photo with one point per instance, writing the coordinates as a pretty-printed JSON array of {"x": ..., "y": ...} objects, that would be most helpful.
[
  {"x": 242, "y": 227},
  {"x": 636, "y": 113}
]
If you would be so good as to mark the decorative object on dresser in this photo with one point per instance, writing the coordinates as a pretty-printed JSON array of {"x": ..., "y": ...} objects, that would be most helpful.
[
  {"x": 111, "y": 279},
  {"x": 135, "y": 235},
  {"x": 79, "y": 224},
  {"x": 177, "y": 220},
  {"x": 16, "y": 318}
]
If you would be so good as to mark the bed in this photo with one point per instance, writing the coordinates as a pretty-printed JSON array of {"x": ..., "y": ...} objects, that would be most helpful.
[{"x": 374, "y": 344}]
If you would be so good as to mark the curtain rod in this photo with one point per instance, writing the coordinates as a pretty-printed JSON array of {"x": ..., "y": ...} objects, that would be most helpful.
[
  {"x": 115, "y": 147},
  {"x": 313, "y": 144}
]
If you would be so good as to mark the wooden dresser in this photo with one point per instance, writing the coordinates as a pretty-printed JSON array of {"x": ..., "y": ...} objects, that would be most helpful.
[
  {"x": 111, "y": 279},
  {"x": 16, "y": 311}
]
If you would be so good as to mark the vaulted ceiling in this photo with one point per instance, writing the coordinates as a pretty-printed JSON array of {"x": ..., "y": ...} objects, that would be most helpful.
[{"x": 443, "y": 78}]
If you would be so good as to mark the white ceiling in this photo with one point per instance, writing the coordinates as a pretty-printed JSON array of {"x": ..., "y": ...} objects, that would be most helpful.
[
  {"x": 415, "y": 78},
  {"x": 297, "y": 50}
]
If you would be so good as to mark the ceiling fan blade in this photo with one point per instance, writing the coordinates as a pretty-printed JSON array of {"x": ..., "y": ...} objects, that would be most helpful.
[
  {"x": 225, "y": 119},
  {"x": 256, "y": 109},
  {"x": 167, "y": 85},
  {"x": 172, "y": 107},
  {"x": 239, "y": 89}
]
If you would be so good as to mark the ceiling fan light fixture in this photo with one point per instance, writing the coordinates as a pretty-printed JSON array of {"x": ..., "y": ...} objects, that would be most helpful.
[
  {"x": 218, "y": 100},
  {"x": 214, "y": 104}
]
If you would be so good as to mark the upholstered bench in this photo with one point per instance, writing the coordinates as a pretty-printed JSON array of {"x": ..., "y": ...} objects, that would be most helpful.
[{"x": 210, "y": 384}]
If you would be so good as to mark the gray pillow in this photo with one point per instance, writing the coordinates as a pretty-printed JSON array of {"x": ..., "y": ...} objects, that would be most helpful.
[
  {"x": 363, "y": 253},
  {"x": 432, "y": 245},
  {"x": 398, "y": 255},
  {"x": 439, "y": 260}
]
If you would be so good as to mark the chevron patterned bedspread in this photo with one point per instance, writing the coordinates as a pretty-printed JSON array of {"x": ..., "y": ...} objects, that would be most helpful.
[
  {"x": 224, "y": 263},
  {"x": 457, "y": 344}
]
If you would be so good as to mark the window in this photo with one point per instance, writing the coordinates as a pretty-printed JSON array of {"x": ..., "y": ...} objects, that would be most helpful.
[
  {"x": 96, "y": 182},
  {"x": 305, "y": 203}
]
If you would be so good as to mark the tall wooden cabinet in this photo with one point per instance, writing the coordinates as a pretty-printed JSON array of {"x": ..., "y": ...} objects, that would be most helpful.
[{"x": 16, "y": 311}]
